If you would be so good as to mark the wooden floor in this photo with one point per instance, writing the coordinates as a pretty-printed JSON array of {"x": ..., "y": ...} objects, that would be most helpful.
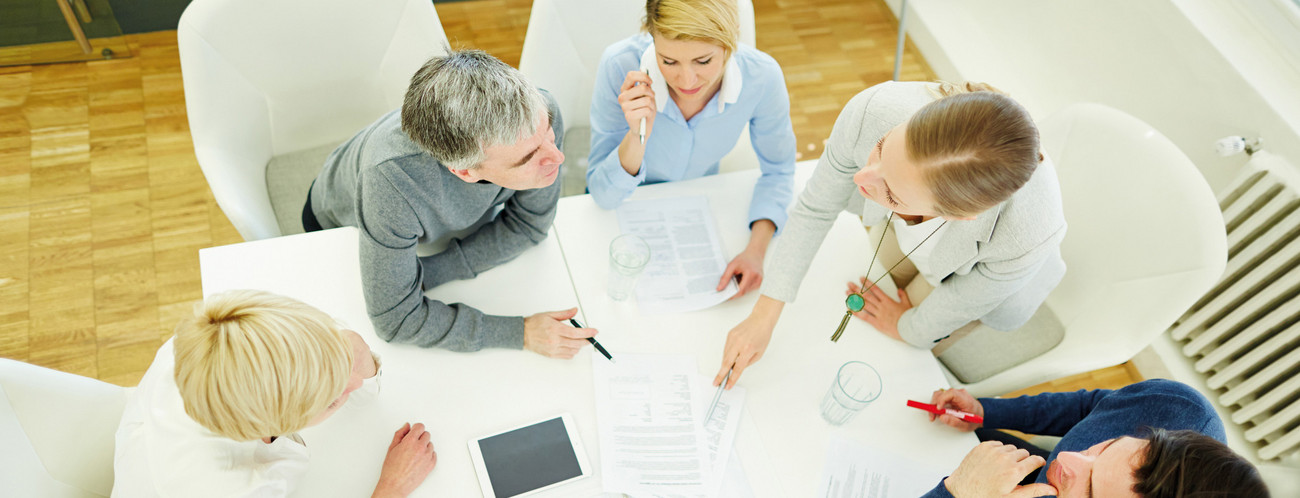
[
  {"x": 103, "y": 211},
  {"x": 103, "y": 207}
]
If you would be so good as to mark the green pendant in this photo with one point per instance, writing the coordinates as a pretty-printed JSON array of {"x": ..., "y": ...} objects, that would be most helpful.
[{"x": 854, "y": 302}]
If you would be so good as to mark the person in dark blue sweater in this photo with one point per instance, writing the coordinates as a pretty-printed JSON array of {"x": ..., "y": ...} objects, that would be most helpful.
[{"x": 1152, "y": 439}]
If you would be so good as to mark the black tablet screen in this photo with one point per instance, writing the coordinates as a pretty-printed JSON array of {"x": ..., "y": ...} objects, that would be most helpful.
[{"x": 529, "y": 458}]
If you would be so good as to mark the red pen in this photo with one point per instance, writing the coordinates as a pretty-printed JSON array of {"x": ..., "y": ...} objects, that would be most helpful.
[{"x": 969, "y": 417}]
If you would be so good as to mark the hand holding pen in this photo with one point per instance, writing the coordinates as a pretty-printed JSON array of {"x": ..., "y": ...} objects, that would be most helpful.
[
  {"x": 547, "y": 334},
  {"x": 637, "y": 100},
  {"x": 593, "y": 342},
  {"x": 960, "y": 401}
]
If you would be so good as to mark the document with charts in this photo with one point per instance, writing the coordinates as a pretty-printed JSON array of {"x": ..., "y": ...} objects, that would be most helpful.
[
  {"x": 653, "y": 440},
  {"x": 686, "y": 254},
  {"x": 720, "y": 437}
]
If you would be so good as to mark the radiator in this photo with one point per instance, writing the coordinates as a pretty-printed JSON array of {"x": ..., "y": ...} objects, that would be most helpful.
[{"x": 1244, "y": 334}]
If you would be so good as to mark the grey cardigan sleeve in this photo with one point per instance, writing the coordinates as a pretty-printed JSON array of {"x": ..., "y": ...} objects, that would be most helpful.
[
  {"x": 829, "y": 191},
  {"x": 392, "y": 276}
]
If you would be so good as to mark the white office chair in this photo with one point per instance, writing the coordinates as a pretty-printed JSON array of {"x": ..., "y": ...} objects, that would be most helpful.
[
  {"x": 282, "y": 82},
  {"x": 56, "y": 431},
  {"x": 561, "y": 53},
  {"x": 1145, "y": 241}
]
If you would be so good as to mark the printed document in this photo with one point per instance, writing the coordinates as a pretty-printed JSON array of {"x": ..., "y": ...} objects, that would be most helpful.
[
  {"x": 650, "y": 438},
  {"x": 720, "y": 431},
  {"x": 686, "y": 254},
  {"x": 654, "y": 440},
  {"x": 855, "y": 470}
]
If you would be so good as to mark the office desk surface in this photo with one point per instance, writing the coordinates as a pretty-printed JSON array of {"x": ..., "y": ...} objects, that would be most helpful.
[
  {"x": 459, "y": 396},
  {"x": 782, "y": 439},
  {"x": 786, "y": 386}
]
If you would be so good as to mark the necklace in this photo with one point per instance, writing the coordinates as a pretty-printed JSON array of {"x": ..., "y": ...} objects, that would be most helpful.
[{"x": 855, "y": 301}]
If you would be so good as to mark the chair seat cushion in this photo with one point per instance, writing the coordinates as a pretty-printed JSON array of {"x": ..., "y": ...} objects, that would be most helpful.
[
  {"x": 577, "y": 144},
  {"x": 985, "y": 351},
  {"x": 288, "y": 178}
]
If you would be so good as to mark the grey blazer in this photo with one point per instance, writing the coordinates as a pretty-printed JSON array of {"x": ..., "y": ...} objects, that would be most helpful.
[{"x": 999, "y": 267}]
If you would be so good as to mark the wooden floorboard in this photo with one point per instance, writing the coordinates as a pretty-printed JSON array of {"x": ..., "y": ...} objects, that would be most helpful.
[
  {"x": 103, "y": 207},
  {"x": 103, "y": 211}
]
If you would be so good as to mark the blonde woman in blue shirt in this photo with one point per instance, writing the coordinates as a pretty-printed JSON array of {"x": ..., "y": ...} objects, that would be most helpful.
[{"x": 699, "y": 90}]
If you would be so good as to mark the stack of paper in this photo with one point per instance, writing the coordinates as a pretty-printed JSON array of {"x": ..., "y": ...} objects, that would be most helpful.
[
  {"x": 653, "y": 439},
  {"x": 686, "y": 254}
]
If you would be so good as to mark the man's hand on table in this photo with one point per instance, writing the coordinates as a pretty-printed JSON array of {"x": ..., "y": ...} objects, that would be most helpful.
[
  {"x": 994, "y": 470},
  {"x": 549, "y": 334}
]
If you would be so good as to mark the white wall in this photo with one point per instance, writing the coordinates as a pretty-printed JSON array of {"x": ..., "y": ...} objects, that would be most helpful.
[{"x": 1144, "y": 57}]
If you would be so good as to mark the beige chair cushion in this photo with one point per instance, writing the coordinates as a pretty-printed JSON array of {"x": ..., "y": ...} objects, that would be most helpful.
[
  {"x": 577, "y": 144},
  {"x": 983, "y": 352},
  {"x": 288, "y": 178}
]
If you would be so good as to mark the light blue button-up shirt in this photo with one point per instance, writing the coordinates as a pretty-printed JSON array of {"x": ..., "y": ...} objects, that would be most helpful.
[{"x": 679, "y": 149}]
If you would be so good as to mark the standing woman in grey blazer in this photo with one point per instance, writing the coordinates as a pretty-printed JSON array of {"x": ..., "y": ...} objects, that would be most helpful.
[{"x": 957, "y": 173}]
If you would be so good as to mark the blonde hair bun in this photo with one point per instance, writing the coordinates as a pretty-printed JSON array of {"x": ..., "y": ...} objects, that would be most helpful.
[
  {"x": 251, "y": 364},
  {"x": 975, "y": 145}
]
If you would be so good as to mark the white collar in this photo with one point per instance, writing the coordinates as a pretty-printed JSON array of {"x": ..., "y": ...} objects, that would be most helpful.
[{"x": 732, "y": 81}]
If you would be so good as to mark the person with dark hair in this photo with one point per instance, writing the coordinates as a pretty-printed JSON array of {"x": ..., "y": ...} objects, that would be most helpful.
[
  {"x": 460, "y": 179},
  {"x": 1152, "y": 439},
  {"x": 1188, "y": 463}
]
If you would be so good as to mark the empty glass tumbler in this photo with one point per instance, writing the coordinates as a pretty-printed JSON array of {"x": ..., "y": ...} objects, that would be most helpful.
[
  {"x": 856, "y": 385},
  {"x": 628, "y": 256}
]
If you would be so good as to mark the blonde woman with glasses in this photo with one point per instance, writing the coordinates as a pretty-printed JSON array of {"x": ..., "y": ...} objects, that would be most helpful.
[
  {"x": 967, "y": 202},
  {"x": 218, "y": 412}
]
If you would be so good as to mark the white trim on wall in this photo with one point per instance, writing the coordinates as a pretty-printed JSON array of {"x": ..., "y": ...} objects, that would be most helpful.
[{"x": 1261, "y": 40}]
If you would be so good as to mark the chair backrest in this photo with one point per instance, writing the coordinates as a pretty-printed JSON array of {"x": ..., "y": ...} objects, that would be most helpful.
[
  {"x": 267, "y": 78},
  {"x": 566, "y": 38},
  {"x": 1146, "y": 239},
  {"x": 57, "y": 431}
]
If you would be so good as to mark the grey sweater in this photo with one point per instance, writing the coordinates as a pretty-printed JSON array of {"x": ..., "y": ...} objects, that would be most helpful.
[
  {"x": 399, "y": 196},
  {"x": 997, "y": 268}
]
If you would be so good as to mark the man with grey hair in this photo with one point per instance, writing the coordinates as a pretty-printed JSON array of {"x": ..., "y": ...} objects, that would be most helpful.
[{"x": 466, "y": 170}]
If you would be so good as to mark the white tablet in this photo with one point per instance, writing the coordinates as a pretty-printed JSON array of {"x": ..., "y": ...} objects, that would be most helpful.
[{"x": 528, "y": 459}]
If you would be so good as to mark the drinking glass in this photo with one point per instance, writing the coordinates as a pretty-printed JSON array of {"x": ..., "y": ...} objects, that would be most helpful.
[
  {"x": 628, "y": 256},
  {"x": 856, "y": 385}
]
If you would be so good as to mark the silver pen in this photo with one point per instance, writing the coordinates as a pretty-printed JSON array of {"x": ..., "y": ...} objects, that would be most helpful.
[
  {"x": 717, "y": 396},
  {"x": 642, "y": 133}
]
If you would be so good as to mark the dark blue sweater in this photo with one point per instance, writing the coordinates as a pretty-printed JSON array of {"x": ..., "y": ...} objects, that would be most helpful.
[{"x": 1085, "y": 418}]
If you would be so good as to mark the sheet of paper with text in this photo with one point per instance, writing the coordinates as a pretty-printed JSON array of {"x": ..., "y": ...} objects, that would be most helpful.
[
  {"x": 653, "y": 439},
  {"x": 855, "y": 470},
  {"x": 686, "y": 254}
]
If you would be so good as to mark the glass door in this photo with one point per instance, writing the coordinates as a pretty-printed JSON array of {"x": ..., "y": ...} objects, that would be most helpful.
[{"x": 48, "y": 31}]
